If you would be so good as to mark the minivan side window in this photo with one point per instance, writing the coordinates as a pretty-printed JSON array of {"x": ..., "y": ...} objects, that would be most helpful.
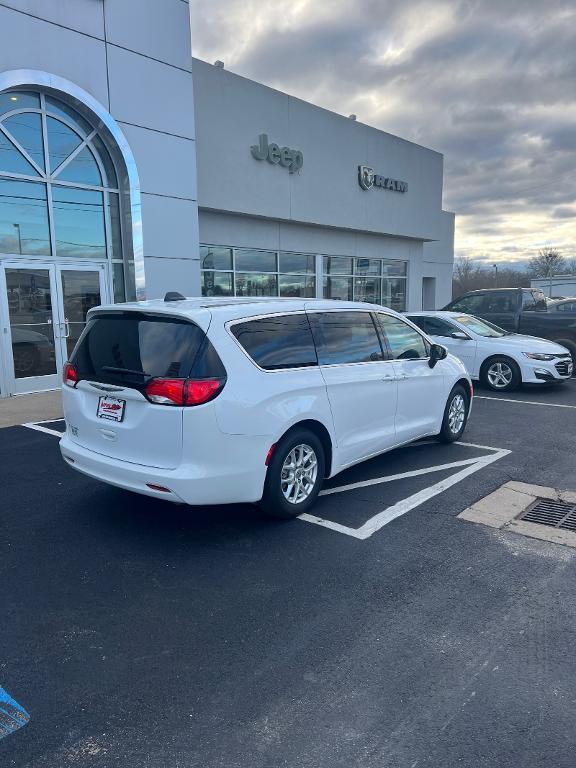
[
  {"x": 281, "y": 341},
  {"x": 405, "y": 343},
  {"x": 345, "y": 337}
]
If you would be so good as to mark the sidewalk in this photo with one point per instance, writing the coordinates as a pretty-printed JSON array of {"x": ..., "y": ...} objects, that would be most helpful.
[{"x": 43, "y": 406}]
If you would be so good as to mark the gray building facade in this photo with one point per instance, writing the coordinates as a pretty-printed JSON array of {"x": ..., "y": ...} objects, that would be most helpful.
[{"x": 128, "y": 169}]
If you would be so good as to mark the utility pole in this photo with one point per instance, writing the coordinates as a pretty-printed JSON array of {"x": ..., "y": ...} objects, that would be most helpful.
[
  {"x": 17, "y": 228},
  {"x": 495, "y": 275}
]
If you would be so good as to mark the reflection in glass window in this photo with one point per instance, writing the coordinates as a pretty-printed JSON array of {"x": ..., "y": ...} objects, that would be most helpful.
[
  {"x": 24, "y": 218},
  {"x": 18, "y": 100},
  {"x": 393, "y": 268},
  {"x": 111, "y": 179},
  {"x": 82, "y": 169},
  {"x": 63, "y": 110},
  {"x": 405, "y": 343},
  {"x": 367, "y": 289},
  {"x": 368, "y": 266},
  {"x": 295, "y": 263},
  {"x": 253, "y": 284},
  {"x": 26, "y": 128},
  {"x": 62, "y": 141},
  {"x": 338, "y": 265},
  {"x": 255, "y": 261},
  {"x": 340, "y": 288},
  {"x": 12, "y": 160},
  {"x": 278, "y": 342},
  {"x": 217, "y": 283},
  {"x": 213, "y": 257},
  {"x": 297, "y": 286},
  {"x": 394, "y": 293},
  {"x": 345, "y": 337},
  {"x": 79, "y": 223}
]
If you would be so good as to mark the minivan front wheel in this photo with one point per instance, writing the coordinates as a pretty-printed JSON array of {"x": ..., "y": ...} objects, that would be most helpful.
[
  {"x": 294, "y": 476},
  {"x": 455, "y": 415}
]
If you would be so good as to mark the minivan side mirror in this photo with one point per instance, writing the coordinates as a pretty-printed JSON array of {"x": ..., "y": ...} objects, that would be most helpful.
[
  {"x": 437, "y": 352},
  {"x": 460, "y": 335}
]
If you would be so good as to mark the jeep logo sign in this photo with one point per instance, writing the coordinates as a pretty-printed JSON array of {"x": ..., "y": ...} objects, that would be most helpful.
[
  {"x": 292, "y": 159},
  {"x": 368, "y": 179}
]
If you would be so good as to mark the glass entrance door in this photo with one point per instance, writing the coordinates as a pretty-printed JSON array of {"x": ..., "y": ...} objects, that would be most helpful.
[{"x": 45, "y": 313}]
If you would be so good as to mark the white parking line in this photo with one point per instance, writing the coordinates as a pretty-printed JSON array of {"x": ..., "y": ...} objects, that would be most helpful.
[
  {"x": 37, "y": 425},
  {"x": 411, "y": 502},
  {"x": 524, "y": 402}
]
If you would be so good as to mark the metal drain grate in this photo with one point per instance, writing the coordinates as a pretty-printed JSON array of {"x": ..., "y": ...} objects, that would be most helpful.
[{"x": 554, "y": 514}]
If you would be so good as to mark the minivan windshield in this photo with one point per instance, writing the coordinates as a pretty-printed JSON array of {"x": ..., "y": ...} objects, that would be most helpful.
[
  {"x": 130, "y": 348},
  {"x": 481, "y": 327}
]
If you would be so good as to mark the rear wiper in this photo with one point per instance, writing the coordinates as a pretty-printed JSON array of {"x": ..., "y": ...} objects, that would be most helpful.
[{"x": 114, "y": 369}]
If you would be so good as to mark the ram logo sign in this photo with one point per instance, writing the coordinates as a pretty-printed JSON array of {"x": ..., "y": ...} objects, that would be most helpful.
[{"x": 368, "y": 179}]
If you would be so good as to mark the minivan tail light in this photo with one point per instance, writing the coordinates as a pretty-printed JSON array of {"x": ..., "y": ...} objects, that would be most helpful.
[
  {"x": 70, "y": 375},
  {"x": 183, "y": 392}
]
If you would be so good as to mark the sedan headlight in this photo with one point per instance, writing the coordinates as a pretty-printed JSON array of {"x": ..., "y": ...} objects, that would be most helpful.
[{"x": 539, "y": 356}]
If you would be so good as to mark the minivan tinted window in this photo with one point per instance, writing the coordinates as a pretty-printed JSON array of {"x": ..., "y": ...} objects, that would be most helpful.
[
  {"x": 345, "y": 337},
  {"x": 282, "y": 341},
  {"x": 129, "y": 348},
  {"x": 405, "y": 343}
]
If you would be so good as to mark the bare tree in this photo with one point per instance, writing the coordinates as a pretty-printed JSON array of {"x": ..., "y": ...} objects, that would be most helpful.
[
  {"x": 548, "y": 263},
  {"x": 470, "y": 276}
]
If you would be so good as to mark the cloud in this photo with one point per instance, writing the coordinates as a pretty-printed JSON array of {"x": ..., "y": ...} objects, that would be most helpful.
[{"x": 489, "y": 83}]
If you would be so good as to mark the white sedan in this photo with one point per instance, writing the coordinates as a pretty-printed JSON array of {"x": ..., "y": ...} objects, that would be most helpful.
[{"x": 499, "y": 359}]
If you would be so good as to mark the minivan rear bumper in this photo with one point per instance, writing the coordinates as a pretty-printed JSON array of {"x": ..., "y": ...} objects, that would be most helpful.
[{"x": 222, "y": 483}]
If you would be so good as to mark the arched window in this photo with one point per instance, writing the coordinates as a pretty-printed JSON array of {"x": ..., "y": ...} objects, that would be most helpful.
[{"x": 60, "y": 190}]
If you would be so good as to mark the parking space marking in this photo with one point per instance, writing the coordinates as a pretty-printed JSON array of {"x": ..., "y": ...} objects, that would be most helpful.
[
  {"x": 523, "y": 402},
  {"x": 12, "y": 715},
  {"x": 37, "y": 425},
  {"x": 470, "y": 466}
]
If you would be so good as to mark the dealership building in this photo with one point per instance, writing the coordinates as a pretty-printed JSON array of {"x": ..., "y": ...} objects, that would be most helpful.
[{"x": 128, "y": 169}]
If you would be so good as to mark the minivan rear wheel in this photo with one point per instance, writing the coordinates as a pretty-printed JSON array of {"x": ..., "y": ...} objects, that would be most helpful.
[{"x": 295, "y": 475}]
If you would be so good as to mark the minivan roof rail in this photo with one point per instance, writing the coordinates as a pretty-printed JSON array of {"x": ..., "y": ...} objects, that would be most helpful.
[{"x": 174, "y": 296}]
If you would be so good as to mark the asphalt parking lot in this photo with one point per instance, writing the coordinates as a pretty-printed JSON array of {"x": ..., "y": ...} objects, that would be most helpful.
[{"x": 378, "y": 632}]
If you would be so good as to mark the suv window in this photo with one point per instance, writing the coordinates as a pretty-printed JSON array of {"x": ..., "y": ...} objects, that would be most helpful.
[
  {"x": 404, "y": 342},
  {"x": 282, "y": 341},
  {"x": 144, "y": 346},
  {"x": 469, "y": 304},
  {"x": 500, "y": 302},
  {"x": 345, "y": 337}
]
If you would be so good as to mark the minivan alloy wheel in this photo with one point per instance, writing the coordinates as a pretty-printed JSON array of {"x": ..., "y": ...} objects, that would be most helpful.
[
  {"x": 500, "y": 375},
  {"x": 457, "y": 413},
  {"x": 299, "y": 473}
]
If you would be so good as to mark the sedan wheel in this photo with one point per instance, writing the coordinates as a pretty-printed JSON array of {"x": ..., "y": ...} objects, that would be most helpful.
[{"x": 499, "y": 375}]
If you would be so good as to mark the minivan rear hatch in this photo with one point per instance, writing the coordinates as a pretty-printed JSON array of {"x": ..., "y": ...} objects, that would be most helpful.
[{"x": 117, "y": 356}]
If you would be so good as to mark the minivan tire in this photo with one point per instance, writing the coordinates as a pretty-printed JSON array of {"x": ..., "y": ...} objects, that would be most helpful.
[
  {"x": 299, "y": 445},
  {"x": 452, "y": 430},
  {"x": 509, "y": 369}
]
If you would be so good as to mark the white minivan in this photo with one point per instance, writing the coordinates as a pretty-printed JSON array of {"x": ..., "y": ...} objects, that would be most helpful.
[{"x": 227, "y": 400}]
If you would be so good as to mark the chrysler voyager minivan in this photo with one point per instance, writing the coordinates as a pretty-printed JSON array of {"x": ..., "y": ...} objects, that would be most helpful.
[{"x": 227, "y": 400}]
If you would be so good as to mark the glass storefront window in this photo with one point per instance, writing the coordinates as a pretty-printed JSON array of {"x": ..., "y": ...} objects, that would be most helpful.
[
  {"x": 26, "y": 128},
  {"x": 79, "y": 223},
  {"x": 338, "y": 265},
  {"x": 367, "y": 289},
  {"x": 297, "y": 263},
  {"x": 340, "y": 288},
  {"x": 254, "y": 284},
  {"x": 393, "y": 268},
  {"x": 255, "y": 261},
  {"x": 24, "y": 226},
  {"x": 216, "y": 258},
  {"x": 297, "y": 286},
  {"x": 394, "y": 293},
  {"x": 217, "y": 283},
  {"x": 368, "y": 266}
]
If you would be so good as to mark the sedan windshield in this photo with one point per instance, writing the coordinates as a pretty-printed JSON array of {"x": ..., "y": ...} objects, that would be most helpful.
[{"x": 481, "y": 327}]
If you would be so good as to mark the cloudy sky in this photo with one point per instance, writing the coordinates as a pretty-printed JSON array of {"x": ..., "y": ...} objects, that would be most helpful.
[{"x": 489, "y": 83}]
